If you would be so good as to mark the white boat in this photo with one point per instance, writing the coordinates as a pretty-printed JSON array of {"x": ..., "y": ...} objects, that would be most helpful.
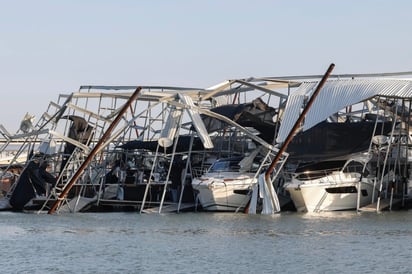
[
  {"x": 319, "y": 190},
  {"x": 224, "y": 187},
  {"x": 11, "y": 157}
]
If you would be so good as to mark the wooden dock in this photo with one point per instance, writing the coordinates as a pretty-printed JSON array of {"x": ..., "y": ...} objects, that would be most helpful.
[
  {"x": 384, "y": 204},
  {"x": 152, "y": 207},
  {"x": 170, "y": 208}
]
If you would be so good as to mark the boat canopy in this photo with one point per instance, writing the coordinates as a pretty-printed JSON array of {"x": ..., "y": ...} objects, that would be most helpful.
[
  {"x": 183, "y": 145},
  {"x": 331, "y": 140}
]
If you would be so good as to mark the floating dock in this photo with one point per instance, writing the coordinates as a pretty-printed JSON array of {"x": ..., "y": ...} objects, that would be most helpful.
[{"x": 384, "y": 204}]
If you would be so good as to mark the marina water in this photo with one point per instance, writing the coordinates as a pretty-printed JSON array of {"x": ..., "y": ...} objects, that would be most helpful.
[{"x": 338, "y": 242}]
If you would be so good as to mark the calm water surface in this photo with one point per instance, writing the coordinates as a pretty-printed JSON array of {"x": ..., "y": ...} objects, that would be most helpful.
[{"x": 343, "y": 242}]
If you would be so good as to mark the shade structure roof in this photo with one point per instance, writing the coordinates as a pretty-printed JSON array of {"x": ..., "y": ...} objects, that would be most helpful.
[{"x": 336, "y": 95}]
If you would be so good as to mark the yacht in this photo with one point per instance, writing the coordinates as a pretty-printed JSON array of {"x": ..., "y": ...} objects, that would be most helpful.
[
  {"x": 332, "y": 186},
  {"x": 225, "y": 186}
]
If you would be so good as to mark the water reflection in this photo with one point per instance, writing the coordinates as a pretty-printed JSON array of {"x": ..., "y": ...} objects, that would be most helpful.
[{"x": 206, "y": 242}]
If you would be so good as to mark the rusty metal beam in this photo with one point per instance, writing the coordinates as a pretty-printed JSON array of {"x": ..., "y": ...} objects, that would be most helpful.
[
  {"x": 94, "y": 151},
  {"x": 298, "y": 122}
]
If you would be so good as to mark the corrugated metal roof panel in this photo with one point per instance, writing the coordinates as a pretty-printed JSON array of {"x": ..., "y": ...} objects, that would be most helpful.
[
  {"x": 336, "y": 95},
  {"x": 293, "y": 110},
  {"x": 168, "y": 133},
  {"x": 406, "y": 92},
  {"x": 197, "y": 122}
]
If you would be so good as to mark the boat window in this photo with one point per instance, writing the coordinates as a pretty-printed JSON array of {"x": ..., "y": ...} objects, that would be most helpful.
[
  {"x": 326, "y": 165},
  {"x": 316, "y": 174},
  {"x": 220, "y": 166},
  {"x": 343, "y": 189},
  {"x": 318, "y": 170}
]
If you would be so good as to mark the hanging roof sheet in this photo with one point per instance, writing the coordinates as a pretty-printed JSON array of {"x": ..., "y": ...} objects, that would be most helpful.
[{"x": 336, "y": 95}]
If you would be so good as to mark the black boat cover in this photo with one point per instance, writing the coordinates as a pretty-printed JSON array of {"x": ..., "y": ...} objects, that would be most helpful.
[
  {"x": 31, "y": 183},
  {"x": 79, "y": 130},
  {"x": 183, "y": 145},
  {"x": 330, "y": 140}
]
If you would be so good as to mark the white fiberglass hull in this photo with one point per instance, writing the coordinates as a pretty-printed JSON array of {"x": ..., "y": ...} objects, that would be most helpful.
[
  {"x": 223, "y": 192},
  {"x": 296, "y": 197},
  {"x": 331, "y": 195}
]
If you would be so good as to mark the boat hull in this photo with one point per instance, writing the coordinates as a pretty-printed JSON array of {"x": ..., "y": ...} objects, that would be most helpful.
[
  {"x": 331, "y": 195},
  {"x": 295, "y": 193},
  {"x": 229, "y": 195}
]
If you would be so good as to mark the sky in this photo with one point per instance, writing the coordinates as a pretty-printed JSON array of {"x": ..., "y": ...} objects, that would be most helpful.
[{"x": 49, "y": 47}]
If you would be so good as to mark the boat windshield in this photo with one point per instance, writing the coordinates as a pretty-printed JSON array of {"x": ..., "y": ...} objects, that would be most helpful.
[
  {"x": 354, "y": 166},
  {"x": 225, "y": 165}
]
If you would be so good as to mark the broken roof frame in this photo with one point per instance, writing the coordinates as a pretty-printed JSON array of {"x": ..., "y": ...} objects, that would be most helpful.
[{"x": 338, "y": 94}]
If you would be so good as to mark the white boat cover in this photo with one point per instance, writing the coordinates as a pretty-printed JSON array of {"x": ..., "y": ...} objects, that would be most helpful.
[{"x": 336, "y": 95}]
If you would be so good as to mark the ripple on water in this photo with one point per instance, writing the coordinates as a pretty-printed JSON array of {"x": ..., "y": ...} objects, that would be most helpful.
[{"x": 199, "y": 243}]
